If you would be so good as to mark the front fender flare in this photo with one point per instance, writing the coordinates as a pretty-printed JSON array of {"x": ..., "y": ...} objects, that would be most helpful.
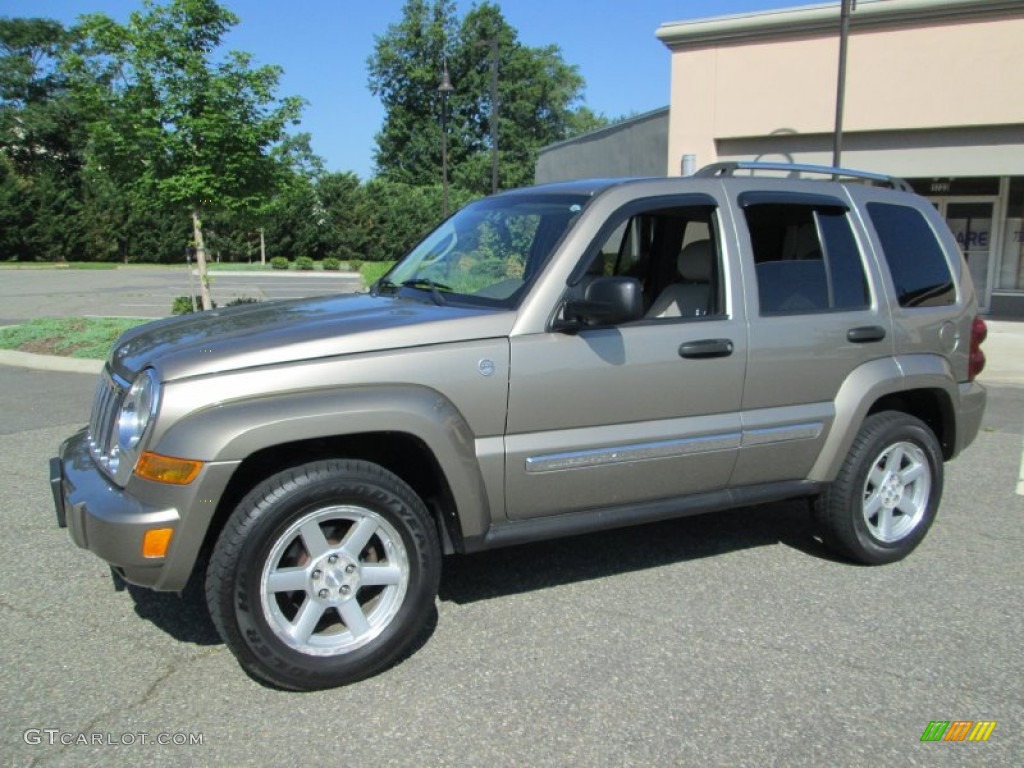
[{"x": 232, "y": 431}]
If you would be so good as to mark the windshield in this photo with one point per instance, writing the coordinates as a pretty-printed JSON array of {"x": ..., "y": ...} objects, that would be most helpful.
[{"x": 488, "y": 252}]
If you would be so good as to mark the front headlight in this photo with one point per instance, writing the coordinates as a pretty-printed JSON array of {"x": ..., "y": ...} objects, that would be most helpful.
[{"x": 137, "y": 410}]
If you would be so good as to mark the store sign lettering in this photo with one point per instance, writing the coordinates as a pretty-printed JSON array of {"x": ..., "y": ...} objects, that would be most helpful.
[{"x": 972, "y": 239}]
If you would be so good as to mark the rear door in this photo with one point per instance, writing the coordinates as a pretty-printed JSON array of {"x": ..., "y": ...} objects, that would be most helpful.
[{"x": 814, "y": 319}]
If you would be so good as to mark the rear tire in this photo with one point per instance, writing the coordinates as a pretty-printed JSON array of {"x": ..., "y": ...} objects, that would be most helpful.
[
  {"x": 324, "y": 574},
  {"x": 887, "y": 492}
]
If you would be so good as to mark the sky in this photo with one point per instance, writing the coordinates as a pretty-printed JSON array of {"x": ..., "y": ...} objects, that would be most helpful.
[{"x": 323, "y": 45}]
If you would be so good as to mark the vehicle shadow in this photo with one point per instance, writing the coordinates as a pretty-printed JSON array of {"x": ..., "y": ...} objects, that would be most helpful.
[
  {"x": 529, "y": 567},
  {"x": 182, "y": 616}
]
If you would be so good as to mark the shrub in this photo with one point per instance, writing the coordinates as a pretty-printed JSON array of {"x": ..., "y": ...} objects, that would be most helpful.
[
  {"x": 332, "y": 264},
  {"x": 279, "y": 262},
  {"x": 355, "y": 265},
  {"x": 242, "y": 300},
  {"x": 304, "y": 263},
  {"x": 182, "y": 305}
]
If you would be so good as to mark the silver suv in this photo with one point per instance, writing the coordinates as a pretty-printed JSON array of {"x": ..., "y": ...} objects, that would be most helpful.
[{"x": 547, "y": 362}]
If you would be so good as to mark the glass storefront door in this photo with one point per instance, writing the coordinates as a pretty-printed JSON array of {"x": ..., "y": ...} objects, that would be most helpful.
[{"x": 971, "y": 220}]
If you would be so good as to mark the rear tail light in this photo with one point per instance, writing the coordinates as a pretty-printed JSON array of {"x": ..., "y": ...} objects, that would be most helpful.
[{"x": 976, "y": 359}]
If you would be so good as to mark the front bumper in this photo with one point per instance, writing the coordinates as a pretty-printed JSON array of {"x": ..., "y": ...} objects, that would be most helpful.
[{"x": 111, "y": 522}]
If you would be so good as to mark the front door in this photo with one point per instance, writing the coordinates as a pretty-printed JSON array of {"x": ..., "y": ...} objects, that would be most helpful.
[
  {"x": 641, "y": 411},
  {"x": 970, "y": 219}
]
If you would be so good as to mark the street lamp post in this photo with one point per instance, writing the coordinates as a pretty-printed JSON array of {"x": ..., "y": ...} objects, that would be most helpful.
[
  {"x": 445, "y": 89},
  {"x": 844, "y": 34}
]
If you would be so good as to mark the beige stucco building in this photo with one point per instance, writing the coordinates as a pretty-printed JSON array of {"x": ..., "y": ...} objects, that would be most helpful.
[{"x": 934, "y": 93}]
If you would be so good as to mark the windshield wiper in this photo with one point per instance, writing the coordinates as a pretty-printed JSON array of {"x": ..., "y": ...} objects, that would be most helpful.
[{"x": 435, "y": 288}]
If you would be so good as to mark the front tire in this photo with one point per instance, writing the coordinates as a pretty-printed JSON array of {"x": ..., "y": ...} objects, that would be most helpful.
[
  {"x": 324, "y": 574},
  {"x": 887, "y": 492}
]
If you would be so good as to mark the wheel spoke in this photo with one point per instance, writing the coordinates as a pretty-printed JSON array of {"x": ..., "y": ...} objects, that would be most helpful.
[
  {"x": 894, "y": 461},
  {"x": 884, "y": 523},
  {"x": 380, "y": 575},
  {"x": 877, "y": 475},
  {"x": 288, "y": 580},
  {"x": 354, "y": 618},
  {"x": 306, "y": 619},
  {"x": 912, "y": 473},
  {"x": 313, "y": 539},
  {"x": 358, "y": 537},
  {"x": 909, "y": 506},
  {"x": 872, "y": 503}
]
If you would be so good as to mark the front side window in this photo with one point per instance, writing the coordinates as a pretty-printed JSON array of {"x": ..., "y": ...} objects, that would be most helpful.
[
  {"x": 806, "y": 259},
  {"x": 917, "y": 263},
  {"x": 488, "y": 252},
  {"x": 671, "y": 251}
]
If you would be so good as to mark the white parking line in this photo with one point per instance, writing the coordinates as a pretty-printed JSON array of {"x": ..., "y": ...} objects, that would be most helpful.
[{"x": 1020, "y": 481}]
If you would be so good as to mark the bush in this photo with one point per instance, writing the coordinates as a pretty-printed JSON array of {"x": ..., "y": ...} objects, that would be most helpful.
[
  {"x": 279, "y": 262},
  {"x": 182, "y": 305},
  {"x": 304, "y": 263},
  {"x": 332, "y": 264},
  {"x": 355, "y": 265},
  {"x": 242, "y": 300}
]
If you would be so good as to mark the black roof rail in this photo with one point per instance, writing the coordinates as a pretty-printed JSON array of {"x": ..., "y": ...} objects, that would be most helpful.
[{"x": 729, "y": 168}]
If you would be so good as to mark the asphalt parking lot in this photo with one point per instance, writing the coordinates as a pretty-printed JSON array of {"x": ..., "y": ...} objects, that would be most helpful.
[
  {"x": 147, "y": 291},
  {"x": 731, "y": 639}
]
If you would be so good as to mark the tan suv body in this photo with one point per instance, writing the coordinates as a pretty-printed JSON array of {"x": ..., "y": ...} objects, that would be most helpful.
[{"x": 549, "y": 361}]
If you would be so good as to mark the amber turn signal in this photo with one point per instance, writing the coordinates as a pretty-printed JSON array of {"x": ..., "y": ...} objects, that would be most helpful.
[
  {"x": 156, "y": 541},
  {"x": 167, "y": 469}
]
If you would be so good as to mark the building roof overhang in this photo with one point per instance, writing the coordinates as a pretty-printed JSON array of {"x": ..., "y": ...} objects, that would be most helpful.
[{"x": 817, "y": 19}]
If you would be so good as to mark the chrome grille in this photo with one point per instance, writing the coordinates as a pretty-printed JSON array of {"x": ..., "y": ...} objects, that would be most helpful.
[{"x": 102, "y": 424}]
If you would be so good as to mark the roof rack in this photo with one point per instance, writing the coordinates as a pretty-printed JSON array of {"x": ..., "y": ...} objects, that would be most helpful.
[{"x": 729, "y": 169}]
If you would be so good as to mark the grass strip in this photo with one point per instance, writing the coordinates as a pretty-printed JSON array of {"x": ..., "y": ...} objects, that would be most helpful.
[{"x": 84, "y": 337}]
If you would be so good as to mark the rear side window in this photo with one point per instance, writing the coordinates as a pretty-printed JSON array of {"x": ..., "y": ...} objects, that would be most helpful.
[
  {"x": 915, "y": 257},
  {"x": 806, "y": 259}
]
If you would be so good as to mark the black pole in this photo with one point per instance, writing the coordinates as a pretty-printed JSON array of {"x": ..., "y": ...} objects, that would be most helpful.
[
  {"x": 494, "y": 115},
  {"x": 445, "y": 89},
  {"x": 844, "y": 35}
]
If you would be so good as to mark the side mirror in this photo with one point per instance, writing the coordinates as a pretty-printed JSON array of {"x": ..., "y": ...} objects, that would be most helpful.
[{"x": 607, "y": 301}]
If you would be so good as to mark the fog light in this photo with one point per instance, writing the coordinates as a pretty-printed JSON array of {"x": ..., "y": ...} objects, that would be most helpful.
[
  {"x": 167, "y": 469},
  {"x": 156, "y": 541}
]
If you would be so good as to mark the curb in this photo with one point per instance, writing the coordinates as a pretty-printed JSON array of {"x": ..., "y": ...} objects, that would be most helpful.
[{"x": 50, "y": 362}]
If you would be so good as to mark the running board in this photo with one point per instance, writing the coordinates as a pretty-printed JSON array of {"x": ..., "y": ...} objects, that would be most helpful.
[{"x": 606, "y": 518}]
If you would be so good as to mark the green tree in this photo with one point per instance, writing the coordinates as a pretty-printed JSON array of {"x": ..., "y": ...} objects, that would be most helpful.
[
  {"x": 539, "y": 97},
  {"x": 41, "y": 141},
  {"x": 176, "y": 119}
]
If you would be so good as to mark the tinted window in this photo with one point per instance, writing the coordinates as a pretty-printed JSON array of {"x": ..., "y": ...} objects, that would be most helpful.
[
  {"x": 916, "y": 260},
  {"x": 806, "y": 259}
]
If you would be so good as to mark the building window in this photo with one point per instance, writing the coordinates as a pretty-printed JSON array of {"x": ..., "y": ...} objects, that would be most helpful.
[{"x": 1011, "y": 270}]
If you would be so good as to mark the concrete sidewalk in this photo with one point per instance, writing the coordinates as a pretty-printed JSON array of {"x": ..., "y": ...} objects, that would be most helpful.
[{"x": 1004, "y": 355}]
